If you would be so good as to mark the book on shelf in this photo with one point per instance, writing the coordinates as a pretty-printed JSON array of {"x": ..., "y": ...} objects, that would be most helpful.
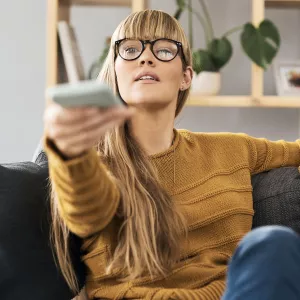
[{"x": 70, "y": 52}]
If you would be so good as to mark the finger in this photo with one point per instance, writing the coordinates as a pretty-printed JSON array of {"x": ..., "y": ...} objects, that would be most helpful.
[
  {"x": 92, "y": 135},
  {"x": 90, "y": 124},
  {"x": 81, "y": 143},
  {"x": 56, "y": 114},
  {"x": 58, "y": 121}
]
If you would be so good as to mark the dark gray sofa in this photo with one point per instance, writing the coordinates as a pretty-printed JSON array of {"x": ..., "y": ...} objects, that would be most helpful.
[{"x": 27, "y": 264}]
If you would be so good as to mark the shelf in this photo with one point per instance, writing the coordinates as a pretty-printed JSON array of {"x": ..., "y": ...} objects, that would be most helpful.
[
  {"x": 99, "y": 2},
  {"x": 282, "y": 3},
  {"x": 244, "y": 101}
]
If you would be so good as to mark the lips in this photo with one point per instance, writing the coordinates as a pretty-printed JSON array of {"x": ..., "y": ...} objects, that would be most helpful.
[{"x": 147, "y": 74}]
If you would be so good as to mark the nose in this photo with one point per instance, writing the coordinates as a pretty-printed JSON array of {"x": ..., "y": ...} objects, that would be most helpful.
[{"x": 147, "y": 57}]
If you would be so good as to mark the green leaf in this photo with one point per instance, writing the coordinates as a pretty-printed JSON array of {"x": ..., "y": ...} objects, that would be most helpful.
[
  {"x": 221, "y": 51},
  {"x": 196, "y": 61},
  {"x": 272, "y": 39},
  {"x": 261, "y": 44},
  {"x": 180, "y": 4},
  {"x": 202, "y": 61}
]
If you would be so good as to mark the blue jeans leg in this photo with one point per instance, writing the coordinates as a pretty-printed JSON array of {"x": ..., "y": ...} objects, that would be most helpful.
[{"x": 265, "y": 266}]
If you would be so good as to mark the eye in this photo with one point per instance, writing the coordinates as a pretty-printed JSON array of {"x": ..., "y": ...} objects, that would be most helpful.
[
  {"x": 131, "y": 50},
  {"x": 165, "y": 51}
]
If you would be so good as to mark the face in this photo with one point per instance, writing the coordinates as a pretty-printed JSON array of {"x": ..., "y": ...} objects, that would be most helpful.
[{"x": 169, "y": 79}]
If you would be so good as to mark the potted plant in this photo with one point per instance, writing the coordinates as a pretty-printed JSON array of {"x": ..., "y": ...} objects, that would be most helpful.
[
  {"x": 260, "y": 44},
  {"x": 97, "y": 65}
]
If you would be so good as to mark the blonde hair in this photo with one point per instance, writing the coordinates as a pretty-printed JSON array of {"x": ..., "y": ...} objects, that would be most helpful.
[{"x": 148, "y": 240}]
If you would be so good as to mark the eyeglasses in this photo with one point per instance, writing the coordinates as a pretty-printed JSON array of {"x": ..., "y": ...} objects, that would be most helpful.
[{"x": 163, "y": 49}]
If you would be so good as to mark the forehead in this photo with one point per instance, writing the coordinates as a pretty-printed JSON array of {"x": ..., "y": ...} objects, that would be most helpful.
[
  {"x": 143, "y": 38},
  {"x": 146, "y": 32}
]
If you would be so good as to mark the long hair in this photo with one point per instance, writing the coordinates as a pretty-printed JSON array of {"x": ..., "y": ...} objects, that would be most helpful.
[{"x": 148, "y": 240}]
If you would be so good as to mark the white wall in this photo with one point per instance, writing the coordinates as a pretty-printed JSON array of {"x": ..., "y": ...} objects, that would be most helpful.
[
  {"x": 22, "y": 77},
  {"x": 22, "y": 80}
]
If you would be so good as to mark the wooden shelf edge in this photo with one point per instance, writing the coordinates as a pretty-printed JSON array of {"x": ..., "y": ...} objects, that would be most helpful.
[
  {"x": 282, "y": 3},
  {"x": 244, "y": 101},
  {"x": 126, "y": 3}
]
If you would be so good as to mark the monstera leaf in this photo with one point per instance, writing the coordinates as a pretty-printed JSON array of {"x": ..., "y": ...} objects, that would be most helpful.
[
  {"x": 220, "y": 51},
  {"x": 181, "y": 4},
  {"x": 203, "y": 61},
  {"x": 214, "y": 58},
  {"x": 261, "y": 44}
]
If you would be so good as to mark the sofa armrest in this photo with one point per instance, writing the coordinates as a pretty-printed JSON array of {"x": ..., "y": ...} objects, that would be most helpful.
[
  {"x": 39, "y": 156},
  {"x": 276, "y": 198}
]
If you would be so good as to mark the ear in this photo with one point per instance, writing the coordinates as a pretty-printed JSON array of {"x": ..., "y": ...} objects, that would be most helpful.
[{"x": 187, "y": 78}]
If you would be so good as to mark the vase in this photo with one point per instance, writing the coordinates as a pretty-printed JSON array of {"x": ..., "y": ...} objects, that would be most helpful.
[{"x": 206, "y": 83}]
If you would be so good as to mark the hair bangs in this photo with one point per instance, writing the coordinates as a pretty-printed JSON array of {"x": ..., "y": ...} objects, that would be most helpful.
[{"x": 150, "y": 25}]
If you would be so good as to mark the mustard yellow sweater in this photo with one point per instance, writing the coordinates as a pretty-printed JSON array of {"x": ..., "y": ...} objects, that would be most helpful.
[{"x": 213, "y": 189}]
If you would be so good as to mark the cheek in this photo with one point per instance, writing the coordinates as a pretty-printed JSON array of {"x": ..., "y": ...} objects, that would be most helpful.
[
  {"x": 173, "y": 81},
  {"x": 174, "y": 75}
]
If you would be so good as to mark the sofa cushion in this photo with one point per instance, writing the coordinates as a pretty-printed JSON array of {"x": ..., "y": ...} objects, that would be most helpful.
[
  {"x": 27, "y": 266},
  {"x": 276, "y": 198}
]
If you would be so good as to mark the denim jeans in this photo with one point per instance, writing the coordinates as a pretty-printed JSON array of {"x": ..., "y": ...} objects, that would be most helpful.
[{"x": 265, "y": 266}]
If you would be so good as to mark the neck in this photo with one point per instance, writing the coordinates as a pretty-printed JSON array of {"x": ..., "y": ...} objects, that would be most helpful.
[{"x": 153, "y": 131}]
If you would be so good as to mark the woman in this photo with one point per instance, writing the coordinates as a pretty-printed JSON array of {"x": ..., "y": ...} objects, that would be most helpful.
[{"x": 162, "y": 211}]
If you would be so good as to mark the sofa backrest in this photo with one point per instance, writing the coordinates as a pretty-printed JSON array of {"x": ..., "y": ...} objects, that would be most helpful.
[
  {"x": 27, "y": 266},
  {"x": 276, "y": 198}
]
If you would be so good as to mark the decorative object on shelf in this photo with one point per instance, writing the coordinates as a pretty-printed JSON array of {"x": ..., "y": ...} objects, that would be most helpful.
[
  {"x": 70, "y": 51},
  {"x": 206, "y": 83},
  {"x": 260, "y": 44},
  {"x": 97, "y": 65},
  {"x": 287, "y": 77}
]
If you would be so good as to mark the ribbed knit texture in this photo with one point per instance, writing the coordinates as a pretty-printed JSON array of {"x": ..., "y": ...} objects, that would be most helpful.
[{"x": 212, "y": 187}]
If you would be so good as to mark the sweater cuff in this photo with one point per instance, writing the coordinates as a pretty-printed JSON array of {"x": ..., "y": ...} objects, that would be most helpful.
[{"x": 75, "y": 168}]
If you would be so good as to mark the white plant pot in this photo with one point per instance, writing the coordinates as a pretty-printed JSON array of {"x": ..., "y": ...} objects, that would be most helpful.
[{"x": 206, "y": 83}]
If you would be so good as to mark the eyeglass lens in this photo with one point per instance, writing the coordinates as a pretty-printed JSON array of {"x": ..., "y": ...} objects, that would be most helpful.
[{"x": 163, "y": 49}]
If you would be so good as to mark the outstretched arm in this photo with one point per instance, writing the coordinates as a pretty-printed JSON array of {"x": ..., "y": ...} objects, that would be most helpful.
[
  {"x": 265, "y": 154},
  {"x": 86, "y": 193}
]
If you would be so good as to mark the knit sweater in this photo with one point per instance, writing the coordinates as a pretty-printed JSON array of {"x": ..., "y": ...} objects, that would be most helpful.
[{"x": 208, "y": 175}]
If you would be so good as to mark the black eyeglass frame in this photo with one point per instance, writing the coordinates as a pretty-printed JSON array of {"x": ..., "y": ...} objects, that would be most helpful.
[{"x": 144, "y": 42}]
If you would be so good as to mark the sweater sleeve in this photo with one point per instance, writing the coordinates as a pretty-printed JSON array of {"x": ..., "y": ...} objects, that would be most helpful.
[
  {"x": 211, "y": 291},
  {"x": 266, "y": 155},
  {"x": 86, "y": 192}
]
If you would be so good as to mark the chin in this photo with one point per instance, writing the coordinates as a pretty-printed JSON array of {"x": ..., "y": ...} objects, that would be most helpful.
[
  {"x": 148, "y": 102},
  {"x": 143, "y": 96}
]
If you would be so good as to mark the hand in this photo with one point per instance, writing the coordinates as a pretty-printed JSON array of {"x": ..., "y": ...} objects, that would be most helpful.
[{"x": 76, "y": 130}]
